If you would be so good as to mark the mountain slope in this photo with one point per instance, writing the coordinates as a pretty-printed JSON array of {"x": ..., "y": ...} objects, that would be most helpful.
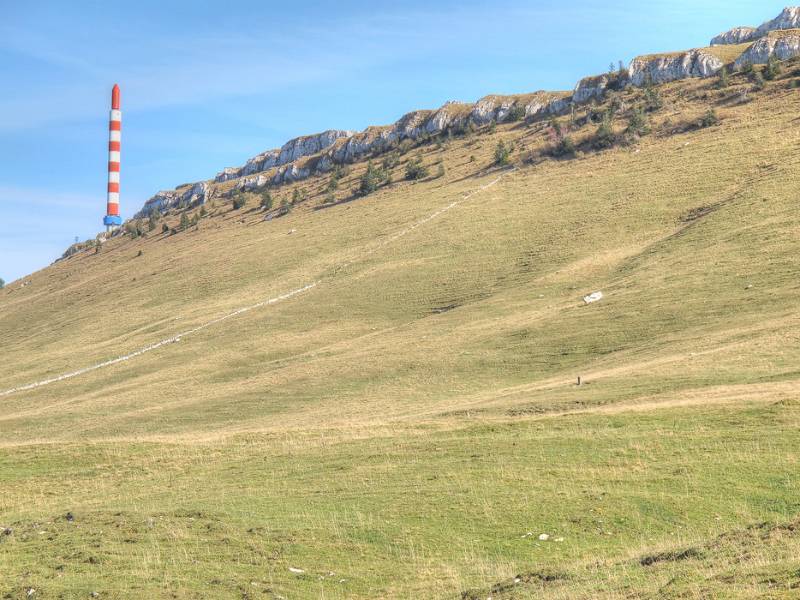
[{"x": 409, "y": 420}]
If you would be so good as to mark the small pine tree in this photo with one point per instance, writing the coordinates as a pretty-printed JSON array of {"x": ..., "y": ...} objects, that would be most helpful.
[
  {"x": 286, "y": 207},
  {"x": 164, "y": 228},
  {"x": 502, "y": 152},
  {"x": 773, "y": 68},
  {"x": 184, "y": 221},
  {"x": 564, "y": 147},
  {"x": 440, "y": 172},
  {"x": 373, "y": 178},
  {"x": 652, "y": 98},
  {"x": 415, "y": 170},
  {"x": 2, "y": 283},
  {"x": 724, "y": 78},
  {"x": 152, "y": 222},
  {"x": 296, "y": 196},
  {"x": 239, "y": 201},
  {"x": 709, "y": 119},
  {"x": 604, "y": 136},
  {"x": 516, "y": 113},
  {"x": 555, "y": 125},
  {"x": 195, "y": 219},
  {"x": 638, "y": 125},
  {"x": 758, "y": 80},
  {"x": 266, "y": 201},
  {"x": 203, "y": 211}
]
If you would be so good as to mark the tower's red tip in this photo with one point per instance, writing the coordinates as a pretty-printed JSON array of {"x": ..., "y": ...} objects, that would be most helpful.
[{"x": 115, "y": 97}]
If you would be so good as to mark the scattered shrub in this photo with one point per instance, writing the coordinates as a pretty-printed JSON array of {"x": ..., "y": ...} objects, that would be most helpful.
[
  {"x": 652, "y": 99},
  {"x": 203, "y": 211},
  {"x": 134, "y": 229},
  {"x": 758, "y": 80},
  {"x": 604, "y": 136},
  {"x": 773, "y": 68},
  {"x": 516, "y": 113},
  {"x": 373, "y": 178},
  {"x": 164, "y": 228},
  {"x": 238, "y": 202},
  {"x": 391, "y": 161},
  {"x": 266, "y": 201},
  {"x": 152, "y": 221},
  {"x": 563, "y": 148},
  {"x": 415, "y": 170},
  {"x": 709, "y": 119},
  {"x": 440, "y": 172},
  {"x": 724, "y": 78},
  {"x": 638, "y": 124},
  {"x": 285, "y": 207},
  {"x": 2, "y": 283},
  {"x": 502, "y": 153}
]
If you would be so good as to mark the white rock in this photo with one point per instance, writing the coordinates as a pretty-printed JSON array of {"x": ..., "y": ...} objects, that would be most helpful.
[
  {"x": 296, "y": 570},
  {"x": 589, "y": 88},
  {"x": 543, "y": 537},
  {"x": 737, "y": 35},
  {"x": 593, "y": 297},
  {"x": 781, "y": 45},
  {"x": 672, "y": 67},
  {"x": 788, "y": 19}
]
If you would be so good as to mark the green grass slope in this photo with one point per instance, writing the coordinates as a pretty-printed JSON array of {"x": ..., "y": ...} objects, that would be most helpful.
[{"x": 410, "y": 426}]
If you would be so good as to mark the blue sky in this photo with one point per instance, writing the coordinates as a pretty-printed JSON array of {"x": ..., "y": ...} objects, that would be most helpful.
[{"x": 206, "y": 85}]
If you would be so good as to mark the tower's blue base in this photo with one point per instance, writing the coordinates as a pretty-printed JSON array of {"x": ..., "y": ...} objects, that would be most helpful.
[{"x": 112, "y": 221}]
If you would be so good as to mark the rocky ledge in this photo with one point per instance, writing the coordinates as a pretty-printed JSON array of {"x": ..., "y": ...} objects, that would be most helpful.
[
  {"x": 305, "y": 156},
  {"x": 780, "y": 44},
  {"x": 737, "y": 35},
  {"x": 671, "y": 67},
  {"x": 788, "y": 19}
]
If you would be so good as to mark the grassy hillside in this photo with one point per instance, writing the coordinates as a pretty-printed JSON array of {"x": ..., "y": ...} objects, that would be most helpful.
[{"x": 410, "y": 426}]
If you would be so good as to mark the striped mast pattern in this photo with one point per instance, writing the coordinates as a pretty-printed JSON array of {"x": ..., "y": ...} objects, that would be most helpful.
[{"x": 112, "y": 219}]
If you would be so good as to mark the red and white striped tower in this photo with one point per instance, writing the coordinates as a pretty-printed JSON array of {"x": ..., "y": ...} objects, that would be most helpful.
[{"x": 112, "y": 219}]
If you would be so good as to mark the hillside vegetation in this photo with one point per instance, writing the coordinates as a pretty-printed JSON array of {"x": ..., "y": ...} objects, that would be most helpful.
[{"x": 411, "y": 425}]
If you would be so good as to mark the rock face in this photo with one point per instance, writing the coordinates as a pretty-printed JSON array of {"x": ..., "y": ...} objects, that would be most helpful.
[
  {"x": 195, "y": 194},
  {"x": 671, "y": 67},
  {"x": 589, "y": 88},
  {"x": 781, "y": 44},
  {"x": 788, "y": 19},
  {"x": 737, "y": 35},
  {"x": 306, "y": 145}
]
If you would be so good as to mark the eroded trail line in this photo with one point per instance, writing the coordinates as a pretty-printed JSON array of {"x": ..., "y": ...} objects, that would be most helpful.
[{"x": 177, "y": 337}]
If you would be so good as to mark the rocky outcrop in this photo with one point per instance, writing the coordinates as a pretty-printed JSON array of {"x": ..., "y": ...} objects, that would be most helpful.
[
  {"x": 192, "y": 195},
  {"x": 663, "y": 68},
  {"x": 737, "y": 35},
  {"x": 308, "y": 145},
  {"x": 788, "y": 19},
  {"x": 292, "y": 150},
  {"x": 589, "y": 88},
  {"x": 780, "y": 44},
  {"x": 491, "y": 108}
]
